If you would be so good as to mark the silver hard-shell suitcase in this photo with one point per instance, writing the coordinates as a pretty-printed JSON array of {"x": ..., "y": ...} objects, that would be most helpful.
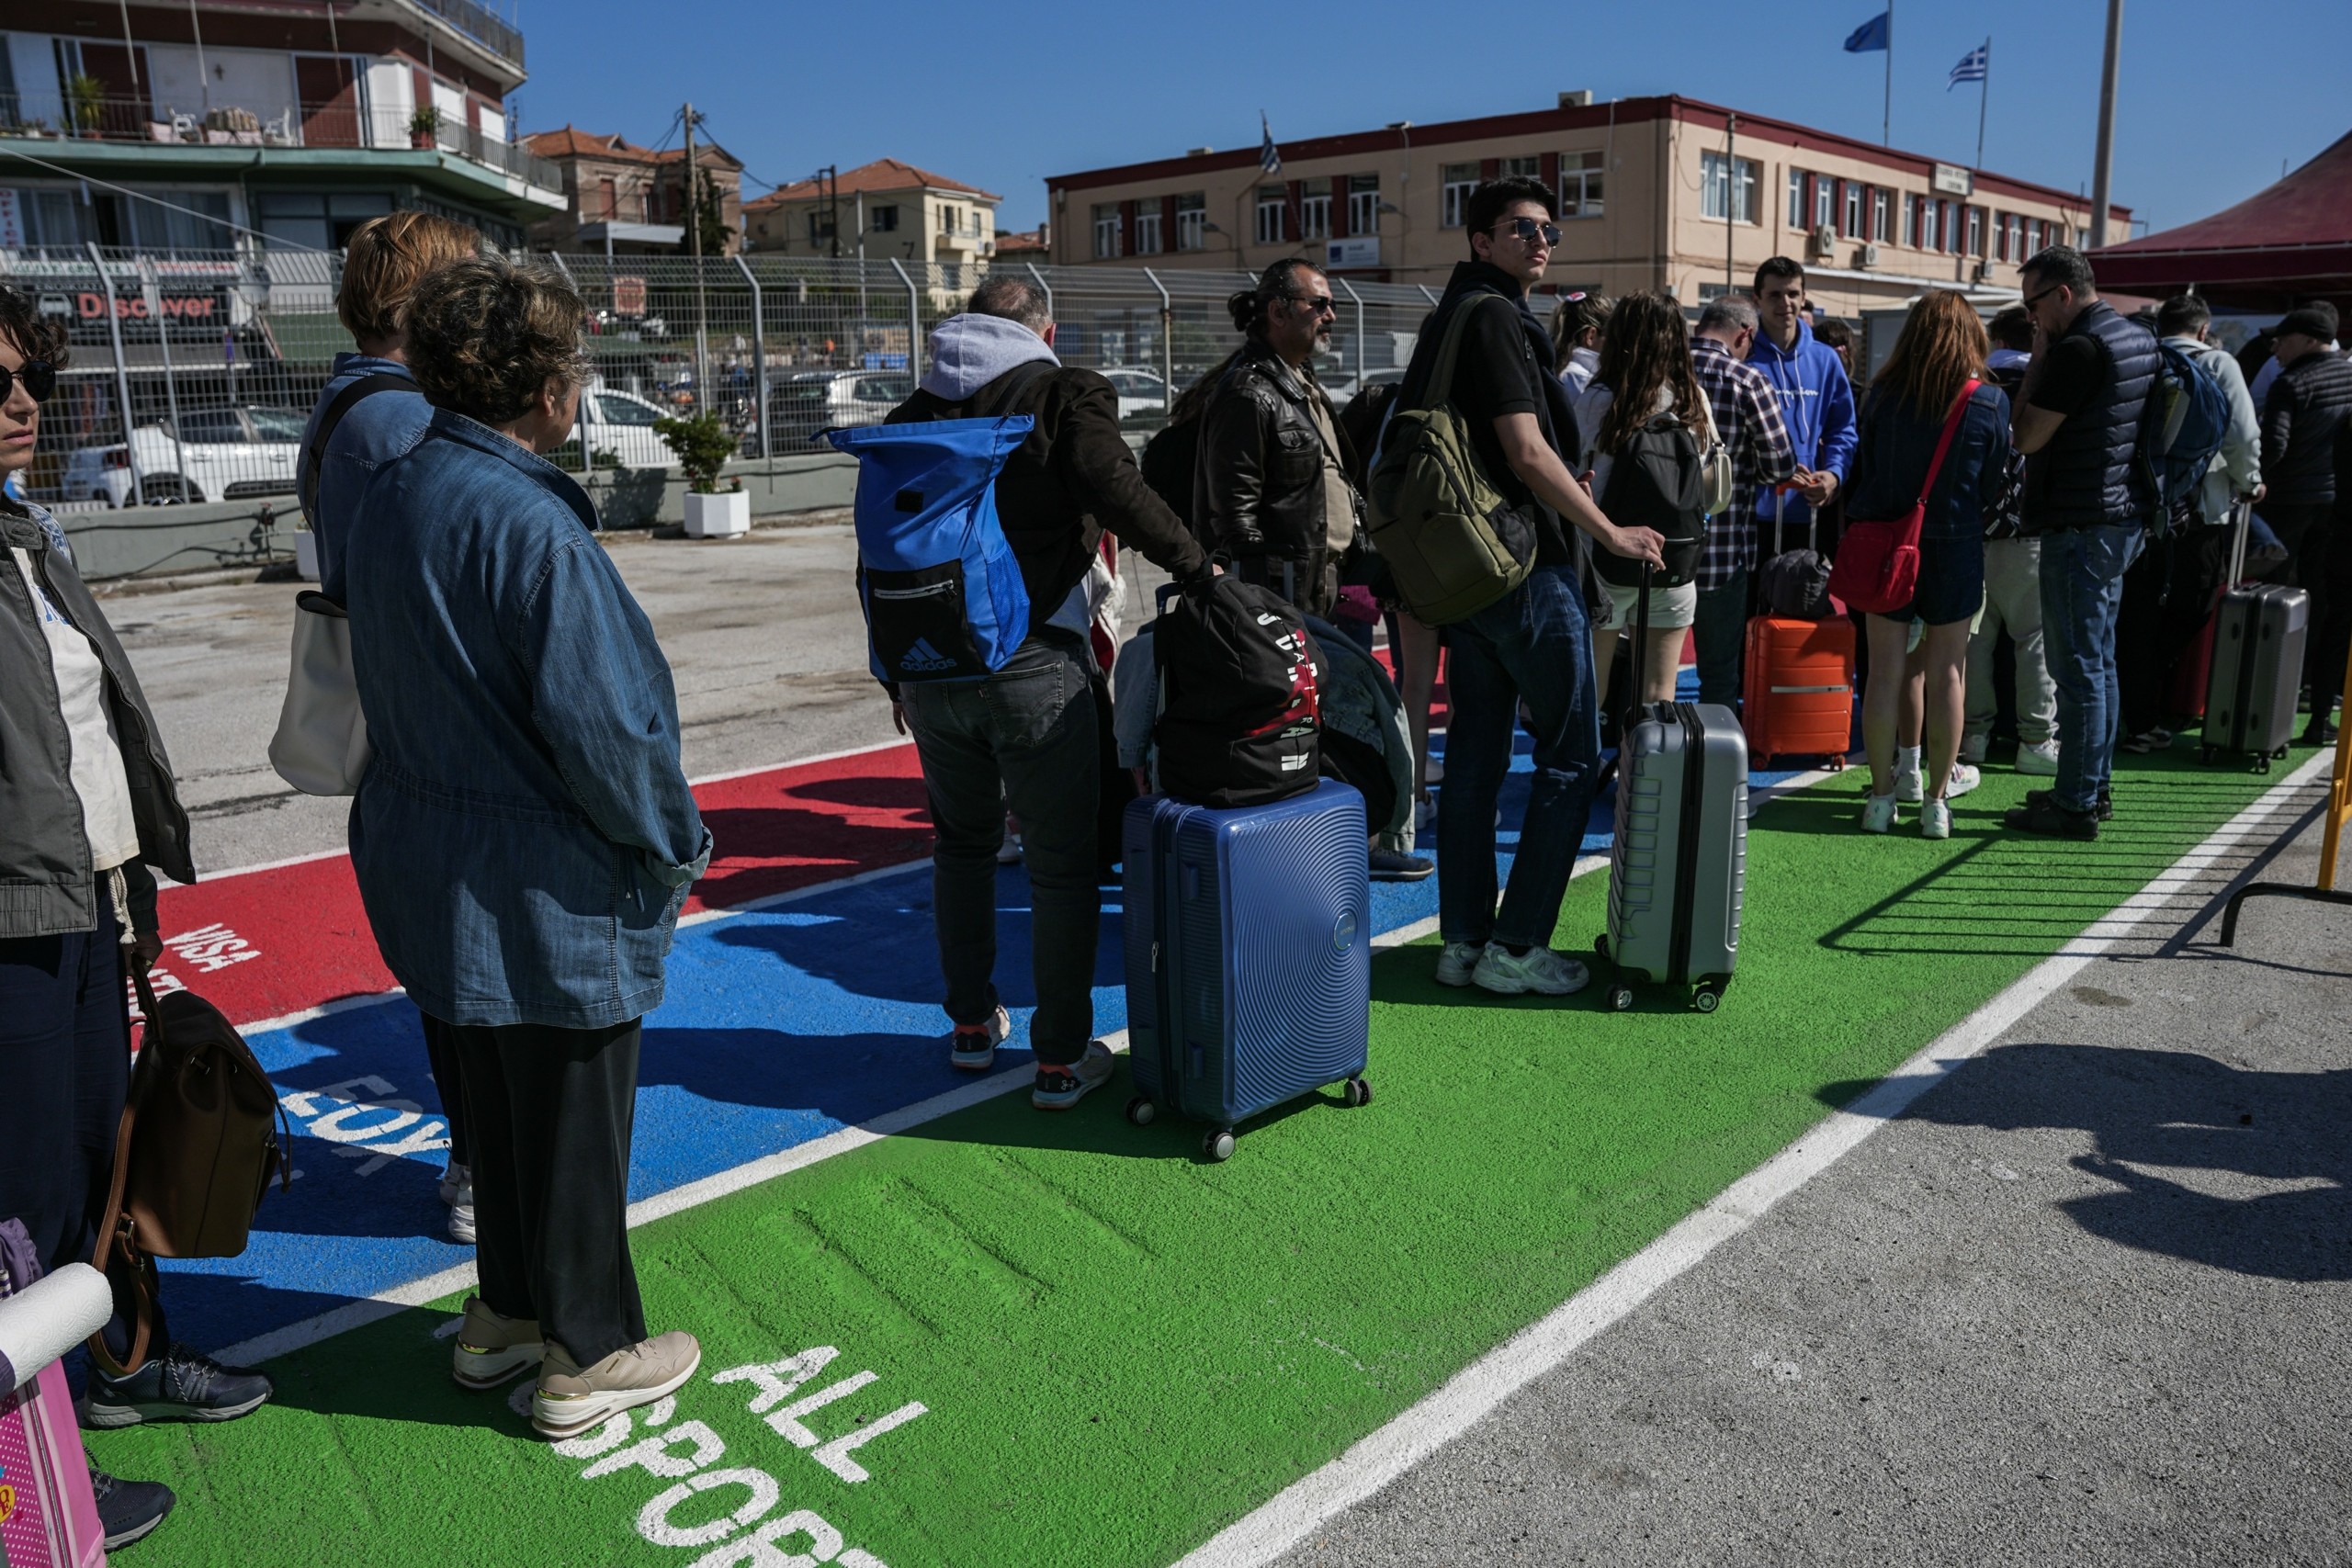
[
  {"x": 1678, "y": 860},
  {"x": 2260, "y": 631}
]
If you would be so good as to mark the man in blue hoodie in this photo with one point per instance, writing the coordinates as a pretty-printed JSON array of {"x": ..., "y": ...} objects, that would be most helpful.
[
  {"x": 1816, "y": 405},
  {"x": 1026, "y": 738}
]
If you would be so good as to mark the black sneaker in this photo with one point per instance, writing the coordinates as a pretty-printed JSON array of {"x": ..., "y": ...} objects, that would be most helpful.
[
  {"x": 1395, "y": 866},
  {"x": 128, "y": 1510},
  {"x": 2104, "y": 810},
  {"x": 2147, "y": 740},
  {"x": 2053, "y": 820},
  {"x": 178, "y": 1385},
  {"x": 2319, "y": 732}
]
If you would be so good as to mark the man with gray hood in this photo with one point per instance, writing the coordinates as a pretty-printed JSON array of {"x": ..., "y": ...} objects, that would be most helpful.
[{"x": 1026, "y": 738}]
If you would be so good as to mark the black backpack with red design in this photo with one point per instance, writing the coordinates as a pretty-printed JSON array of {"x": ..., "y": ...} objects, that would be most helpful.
[{"x": 1239, "y": 723}]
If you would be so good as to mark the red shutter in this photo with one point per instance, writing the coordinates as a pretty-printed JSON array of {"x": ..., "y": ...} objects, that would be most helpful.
[
  {"x": 1550, "y": 172},
  {"x": 1489, "y": 168},
  {"x": 1293, "y": 228},
  {"x": 1340, "y": 199},
  {"x": 1127, "y": 228},
  {"x": 1167, "y": 222}
]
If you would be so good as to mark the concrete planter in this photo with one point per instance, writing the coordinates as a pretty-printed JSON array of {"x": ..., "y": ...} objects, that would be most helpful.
[
  {"x": 306, "y": 554},
  {"x": 726, "y": 515}
]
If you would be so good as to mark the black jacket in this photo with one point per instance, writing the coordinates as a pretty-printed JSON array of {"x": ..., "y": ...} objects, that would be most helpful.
[
  {"x": 47, "y": 886},
  {"x": 1072, "y": 479},
  {"x": 2306, "y": 413},
  {"x": 1257, "y": 491},
  {"x": 2090, "y": 473}
]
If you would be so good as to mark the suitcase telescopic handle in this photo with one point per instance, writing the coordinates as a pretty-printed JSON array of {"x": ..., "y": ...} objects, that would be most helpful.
[
  {"x": 2242, "y": 519},
  {"x": 1641, "y": 648}
]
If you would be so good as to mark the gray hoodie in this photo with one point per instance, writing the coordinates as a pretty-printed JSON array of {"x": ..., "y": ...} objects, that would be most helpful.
[{"x": 967, "y": 351}]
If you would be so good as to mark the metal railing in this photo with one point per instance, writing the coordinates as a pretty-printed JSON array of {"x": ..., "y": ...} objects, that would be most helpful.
[
  {"x": 192, "y": 373},
  {"x": 478, "y": 24},
  {"x": 336, "y": 122}
]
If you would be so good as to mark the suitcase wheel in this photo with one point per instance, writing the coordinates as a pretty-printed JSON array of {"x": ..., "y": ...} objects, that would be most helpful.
[
  {"x": 1706, "y": 998},
  {"x": 1140, "y": 1110},
  {"x": 2205, "y": 754},
  {"x": 1621, "y": 998},
  {"x": 1837, "y": 763},
  {"x": 2265, "y": 763},
  {"x": 1358, "y": 1092},
  {"x": 1216, "y": 1145},
  {"x": 1600, "y": 944}
]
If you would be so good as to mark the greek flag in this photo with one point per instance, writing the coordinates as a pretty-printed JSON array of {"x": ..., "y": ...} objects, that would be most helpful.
[
  {"x": 1971, "y": 67},
  {"x": 1270, "y": 157},
  {"x": 1871, "y": 35}
]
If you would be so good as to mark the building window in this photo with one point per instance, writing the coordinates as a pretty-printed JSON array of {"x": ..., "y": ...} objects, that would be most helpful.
[
  {"x": 821, "y": 227},
  {"x": 1728, "y": 188},
  {"x": 1796, "y": 198},
  {"x": 946, "y": 219},
  {"x": 1314, "y": 209},
  {"x": 1853, "y": 228},
  {"x": 884, "y": 219},
  {"x": 1523, "y": 168},
  {"x": 1581, "y": 184},
  {"x": 1364, "y": 204},
  {"x": 1147, "y": 227},
  {"x": 1824, "y": 203},
  {"x": 1192, "y": 211},
  {"x": 1882, "y": 216},
  {"x": 1976, "y": 231},
  {"x": 1273, "y": 202},
  {"x": 1456, "y": 181},
  {"x": 1910, "y": 220},
  {"x": 1106, "y": 231}
]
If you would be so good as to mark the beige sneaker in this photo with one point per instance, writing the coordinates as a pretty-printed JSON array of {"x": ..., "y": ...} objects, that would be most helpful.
[
  {"x": 491, "y": 1349},
  {"x": 572, "y": 1399}
]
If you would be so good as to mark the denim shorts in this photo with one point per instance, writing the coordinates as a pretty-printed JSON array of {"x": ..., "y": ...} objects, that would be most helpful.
[{"x": 1951, "y": 581}]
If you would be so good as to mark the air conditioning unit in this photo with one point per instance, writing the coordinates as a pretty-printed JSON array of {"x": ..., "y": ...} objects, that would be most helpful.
[
  {"x": 1824, "y": 243},
  {"x": 1581, "y": 99},
  {"x": 1870, "y": 256},
  {"x": 1981, "y": 273}
]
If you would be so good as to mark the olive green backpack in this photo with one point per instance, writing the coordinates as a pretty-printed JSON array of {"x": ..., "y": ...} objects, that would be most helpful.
[{"x": 1453, "y": 543}]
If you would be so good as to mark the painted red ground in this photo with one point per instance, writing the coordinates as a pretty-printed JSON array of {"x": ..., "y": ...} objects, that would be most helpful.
[{"x": 265, "y": 944}]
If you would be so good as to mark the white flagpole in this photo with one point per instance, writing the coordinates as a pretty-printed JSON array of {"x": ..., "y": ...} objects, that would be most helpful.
[
  {"x": 1886, "y": 123},
  {"x": 1983, "y": 91}
]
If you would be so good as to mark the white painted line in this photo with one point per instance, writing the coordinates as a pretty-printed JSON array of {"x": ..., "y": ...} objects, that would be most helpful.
[{"x": 1261, "y": 1537}]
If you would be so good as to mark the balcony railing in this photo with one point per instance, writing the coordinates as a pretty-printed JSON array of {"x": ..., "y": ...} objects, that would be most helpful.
[
  {"x": 479, "y": 25},
  {"x": 335, "y": 123}
]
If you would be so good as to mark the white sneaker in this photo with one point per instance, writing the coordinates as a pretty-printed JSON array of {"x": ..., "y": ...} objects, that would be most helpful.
[
  {"x": 572, "y": 1398},
  {"x": 1061, "y": 1086},
  {"x": 491, "y": 1349},
  {"x": 2040, "y": 760},
  {"x": 1973, "y": 746},
  {"x": 1935, "y": 819},
  {"x": 454, "y": 1180},
  {"x": 1961, "y": 779},
  {"x": 1459, "y": 962},
  {"x": 1910, "y": 788},
  {"x": 1878, "y": 814},
  {"x": 1009, "y": 852},
  {"x": 1539, "y": 969},
  {"x": 458, "y": 1192}
]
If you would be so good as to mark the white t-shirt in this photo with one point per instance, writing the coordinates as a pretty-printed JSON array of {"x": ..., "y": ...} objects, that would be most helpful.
[{"x": 99, "y": 776}]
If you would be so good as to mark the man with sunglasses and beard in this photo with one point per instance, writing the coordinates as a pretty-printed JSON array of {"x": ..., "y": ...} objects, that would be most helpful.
[
  {"x": 1271, "y": 492},
  {"x": 1531, "y": 645}
]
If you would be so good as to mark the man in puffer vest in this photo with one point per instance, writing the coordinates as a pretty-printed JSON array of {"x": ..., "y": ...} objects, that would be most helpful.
[{"x": 2078, "y": 421}]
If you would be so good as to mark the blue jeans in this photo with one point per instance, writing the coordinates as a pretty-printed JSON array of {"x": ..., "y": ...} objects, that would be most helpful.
[
  {"x": 1531, "y": 645},
  {"x": 2082, "y": 589}
]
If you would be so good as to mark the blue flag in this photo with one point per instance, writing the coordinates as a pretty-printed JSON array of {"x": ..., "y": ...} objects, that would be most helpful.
[
  {"x": 1870, "y": 35},
  {"x": 1971, "y": 67}
]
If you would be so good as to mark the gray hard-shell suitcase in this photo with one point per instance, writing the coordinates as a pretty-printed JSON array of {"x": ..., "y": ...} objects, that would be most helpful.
[
  {"x": 1678, "y": 860},
  {"x": 2260, "y": 631}
]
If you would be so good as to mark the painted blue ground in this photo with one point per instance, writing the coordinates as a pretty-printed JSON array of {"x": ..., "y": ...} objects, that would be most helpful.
[{"x": 783, "y": 1024}]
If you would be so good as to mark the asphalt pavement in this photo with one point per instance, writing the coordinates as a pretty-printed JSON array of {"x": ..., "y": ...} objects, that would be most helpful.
[{"x": 2087, "y": 1303}]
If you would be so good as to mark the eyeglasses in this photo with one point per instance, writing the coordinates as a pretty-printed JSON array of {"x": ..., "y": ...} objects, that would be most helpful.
[
  {"x": 1317, "y": 304},
  {"x": 40, "y": 378},
  {"x": 1527, "y": 228}
]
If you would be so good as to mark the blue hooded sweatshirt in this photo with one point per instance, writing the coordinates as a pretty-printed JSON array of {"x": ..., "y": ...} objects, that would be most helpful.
[{"x": 1816, "y": 405}]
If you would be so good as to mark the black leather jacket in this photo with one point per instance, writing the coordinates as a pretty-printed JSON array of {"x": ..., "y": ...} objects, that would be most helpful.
[{"x": 1257, "y": 493}]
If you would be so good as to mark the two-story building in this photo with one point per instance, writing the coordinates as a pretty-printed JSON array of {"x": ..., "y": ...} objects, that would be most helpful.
[
  {"x": 886, "y": 209},
  {"x": 1656, "y": 193},
  {"x": 193, "y": 120},
  {"x": 630, "y": 200}
]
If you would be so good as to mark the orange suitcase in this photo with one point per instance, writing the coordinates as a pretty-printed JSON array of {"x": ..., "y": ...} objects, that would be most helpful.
[{"x": 1799, "y": 689}]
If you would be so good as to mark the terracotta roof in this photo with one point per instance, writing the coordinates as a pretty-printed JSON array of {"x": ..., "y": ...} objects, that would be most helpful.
[
  {"x": 1026, "y": 240},
  {"x": 572, "y": 142},
  {"x": 882, "y": 175}
]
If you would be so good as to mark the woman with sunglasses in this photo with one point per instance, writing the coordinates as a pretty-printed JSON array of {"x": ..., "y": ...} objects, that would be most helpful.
[{"x": 87, "y": 806}]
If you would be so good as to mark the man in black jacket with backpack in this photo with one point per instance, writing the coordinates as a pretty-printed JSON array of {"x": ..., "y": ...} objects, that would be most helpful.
[{"x": 1025, "y": 738}]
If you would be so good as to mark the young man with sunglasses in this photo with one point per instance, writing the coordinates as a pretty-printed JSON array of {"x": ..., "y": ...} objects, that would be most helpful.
[{"x": 1533, "y": 646}]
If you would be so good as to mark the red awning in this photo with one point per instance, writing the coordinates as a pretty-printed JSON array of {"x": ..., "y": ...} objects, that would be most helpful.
[{"x": 2284, "y": 243}]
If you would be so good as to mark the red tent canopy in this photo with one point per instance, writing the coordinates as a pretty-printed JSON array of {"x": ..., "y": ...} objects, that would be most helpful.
[{"x": 2278, "y": 248}]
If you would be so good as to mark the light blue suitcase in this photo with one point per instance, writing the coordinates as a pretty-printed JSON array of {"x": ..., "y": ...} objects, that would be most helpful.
[{"x": 1249, "y": 955}]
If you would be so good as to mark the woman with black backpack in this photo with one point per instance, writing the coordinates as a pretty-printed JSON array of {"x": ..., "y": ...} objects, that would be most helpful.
[{"x": 1648, "y": 431}]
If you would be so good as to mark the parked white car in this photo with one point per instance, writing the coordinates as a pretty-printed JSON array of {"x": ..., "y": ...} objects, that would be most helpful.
[
  {"x": 620, "y": 424},
  {"x": 208, "y": 454},
  {"x": 1141, "y": 392}
]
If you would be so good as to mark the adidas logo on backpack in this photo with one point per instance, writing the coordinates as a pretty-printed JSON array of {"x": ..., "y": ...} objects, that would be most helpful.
[{"x": 923, "y": 659}]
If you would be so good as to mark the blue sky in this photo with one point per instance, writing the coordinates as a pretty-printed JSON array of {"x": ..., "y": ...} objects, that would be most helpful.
[{"x": 1002, "y": 97}]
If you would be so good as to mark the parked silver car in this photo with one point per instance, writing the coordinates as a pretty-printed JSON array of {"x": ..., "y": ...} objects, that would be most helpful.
[
  {"x": 206, "y": 455},
  {"x": 804, "y": 403}
]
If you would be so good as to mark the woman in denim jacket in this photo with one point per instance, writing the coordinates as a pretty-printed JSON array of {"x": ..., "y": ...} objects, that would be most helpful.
[
  {"x": 525, "y": 836},
  {"x": 1942, "y": 348}
]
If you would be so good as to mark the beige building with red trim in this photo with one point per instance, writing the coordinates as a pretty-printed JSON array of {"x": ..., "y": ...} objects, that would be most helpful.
[
  {"x": 886, "y": 209},
  {"x": 630, "y": 199},
  {"x": 1646, "y": 185}
]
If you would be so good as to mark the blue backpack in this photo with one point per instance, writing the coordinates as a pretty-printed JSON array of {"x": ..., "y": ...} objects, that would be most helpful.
[
  {"x": 943, "y": 592},
  {"x": 2187, "y": 415}
]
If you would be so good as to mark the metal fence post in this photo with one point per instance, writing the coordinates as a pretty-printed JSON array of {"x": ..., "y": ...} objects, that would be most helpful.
[
  {"x": 1363, "y": 364},
  {"x": 1167, "y": 340},
  {"x": 122, "y": 374},
  {"x": 1425, "y": 294},
  {"x": 587, "y": 464},
  {"x": 171, "y": 381},
  {"x": 759, "y": 357},
  {"x": 914, "y": 321},
  {"x": 1044, "y": 285}
]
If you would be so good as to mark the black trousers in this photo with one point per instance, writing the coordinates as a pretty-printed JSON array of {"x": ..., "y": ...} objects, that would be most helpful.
[
  {"x": 65, "y": 1068},
  {"x": 449, "y": 1079},
  {"x": 2325, "y": 570},
  {"x": 2167, "y": 595},
  {"x": 550, "y": 1112}
]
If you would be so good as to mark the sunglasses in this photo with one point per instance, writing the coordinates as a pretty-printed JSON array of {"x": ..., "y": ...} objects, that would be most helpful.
[
  {"x": 39, "y": 376},
  {"x": 1317, "y": 304},
  {"x": 2030, "y": 300},
  {"x": 1527, "y": 228}
]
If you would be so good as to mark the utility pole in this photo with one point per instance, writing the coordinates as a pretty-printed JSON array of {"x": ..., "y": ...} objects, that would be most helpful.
[
  {"x": 1886, "y": 117},
  {"x": 694, "y": 241},
  {"x": 2103, "y": 171}
]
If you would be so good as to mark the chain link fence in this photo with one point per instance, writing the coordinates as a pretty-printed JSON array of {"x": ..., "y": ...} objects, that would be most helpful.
[{"x": 192, "y": 372}]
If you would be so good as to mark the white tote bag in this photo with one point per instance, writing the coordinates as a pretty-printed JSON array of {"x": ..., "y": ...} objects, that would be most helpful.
[{"x": 321, "y": 746}]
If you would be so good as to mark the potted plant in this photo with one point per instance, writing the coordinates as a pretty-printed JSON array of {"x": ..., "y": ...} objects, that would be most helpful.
[
  {"x": 87, "y": 98},
  {"x": 703, "y": 443},
  {"x": 424, "y": 128}
]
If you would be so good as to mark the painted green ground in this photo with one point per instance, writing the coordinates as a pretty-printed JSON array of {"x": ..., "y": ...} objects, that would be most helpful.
[{"x": 1119, "y": 1349}]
